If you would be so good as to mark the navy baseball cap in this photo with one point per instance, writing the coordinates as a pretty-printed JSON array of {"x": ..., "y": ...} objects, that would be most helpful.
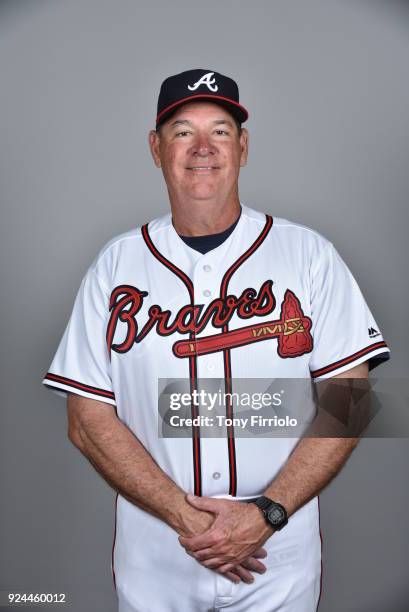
[{"x": 195, "y": 85}]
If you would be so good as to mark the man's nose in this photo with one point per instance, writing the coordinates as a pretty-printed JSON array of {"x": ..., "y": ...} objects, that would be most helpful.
[{"x": 202, "y": 147}]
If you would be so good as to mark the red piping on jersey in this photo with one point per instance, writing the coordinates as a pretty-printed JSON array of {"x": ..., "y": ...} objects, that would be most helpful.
[
  {"x": 322, "y": 567},
  {"x": 226, "y": 353},
  {"x": 346, "y": 360},
  {"x": 113, "y": 544},
  {"x": 77, "y": 385},
  {"x": 192, "y": 360}
]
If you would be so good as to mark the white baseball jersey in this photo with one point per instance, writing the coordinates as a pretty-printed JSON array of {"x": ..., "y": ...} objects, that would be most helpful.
[{"x": 151, "y": 307}]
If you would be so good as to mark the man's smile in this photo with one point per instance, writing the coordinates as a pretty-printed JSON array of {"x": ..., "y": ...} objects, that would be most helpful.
[{"x": 203, "y": 169}]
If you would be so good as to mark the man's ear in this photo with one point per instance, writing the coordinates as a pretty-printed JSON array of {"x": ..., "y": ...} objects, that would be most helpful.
[
  {"x": 154, "y": 139},
  {"x": 244, "y": 144}
]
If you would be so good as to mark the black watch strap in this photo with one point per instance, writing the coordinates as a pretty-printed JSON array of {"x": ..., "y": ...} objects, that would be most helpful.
[{"x": 263, "y": 503}]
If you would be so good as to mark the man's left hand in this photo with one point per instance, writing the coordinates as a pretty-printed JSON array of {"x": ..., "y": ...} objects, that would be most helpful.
[{"x": 238, "y": 530}]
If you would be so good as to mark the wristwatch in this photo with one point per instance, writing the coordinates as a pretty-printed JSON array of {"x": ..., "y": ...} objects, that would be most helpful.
[{"x": 274, "y": 513}]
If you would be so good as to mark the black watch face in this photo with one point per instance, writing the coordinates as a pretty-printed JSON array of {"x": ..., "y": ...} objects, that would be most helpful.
[{"x": 276, "y": 515}]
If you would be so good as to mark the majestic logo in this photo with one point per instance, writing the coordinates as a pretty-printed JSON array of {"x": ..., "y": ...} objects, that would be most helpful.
[
  {"x": 207, "y": 80},
  {"x": 292, "y": 329},
  {"x": 372, "y": 332}
]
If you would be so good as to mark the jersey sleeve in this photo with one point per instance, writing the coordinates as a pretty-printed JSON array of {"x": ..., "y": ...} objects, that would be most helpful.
[
  {"x": 344, "y": 331},
  {"x": 81, "y": 364}
]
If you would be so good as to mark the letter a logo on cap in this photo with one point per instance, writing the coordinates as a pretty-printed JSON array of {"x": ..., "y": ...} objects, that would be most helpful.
[{"x": 205, "y": 80}]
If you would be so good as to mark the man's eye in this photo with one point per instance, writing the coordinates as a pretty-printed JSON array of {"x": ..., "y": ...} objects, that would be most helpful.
[
  {"x": 222, "y": 132},
  {"x": 182, "y": 133}
]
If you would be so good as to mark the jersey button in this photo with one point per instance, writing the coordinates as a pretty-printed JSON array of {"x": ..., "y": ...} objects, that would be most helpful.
[
  {"x": 207, "y": 268},
  {"x": 207, "y": 293},
  {"x": 216, "y": 475}
]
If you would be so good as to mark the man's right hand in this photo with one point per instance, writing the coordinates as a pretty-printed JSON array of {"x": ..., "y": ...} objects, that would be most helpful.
[
  {"x": 117, "y": 454},
  {"x": 241, "y": 572},
  {"x": 195, "y": 522}
]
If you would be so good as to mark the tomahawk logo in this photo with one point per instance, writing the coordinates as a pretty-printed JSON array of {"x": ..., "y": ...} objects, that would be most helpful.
[{"x": 207, "y": 80}]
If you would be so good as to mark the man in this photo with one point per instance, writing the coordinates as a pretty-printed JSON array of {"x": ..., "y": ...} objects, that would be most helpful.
[{"x": 190, "y": 296}]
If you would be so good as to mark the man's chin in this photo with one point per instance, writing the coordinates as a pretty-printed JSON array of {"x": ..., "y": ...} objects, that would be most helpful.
[{"x": 201, "y": 195}]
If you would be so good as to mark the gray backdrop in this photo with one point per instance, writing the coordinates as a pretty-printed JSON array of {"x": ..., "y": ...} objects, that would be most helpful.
[{"x": 327, "y": 86}]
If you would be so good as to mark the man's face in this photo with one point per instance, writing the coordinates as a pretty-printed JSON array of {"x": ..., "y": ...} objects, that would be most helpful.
[{"x": 200, "y": 152}]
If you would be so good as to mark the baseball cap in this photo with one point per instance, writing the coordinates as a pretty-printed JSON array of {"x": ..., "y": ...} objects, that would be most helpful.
[{"x": 196, "y": 85}]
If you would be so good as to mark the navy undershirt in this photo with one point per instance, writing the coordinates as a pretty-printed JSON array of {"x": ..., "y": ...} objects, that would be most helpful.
[{"x": 203, "y": 244}]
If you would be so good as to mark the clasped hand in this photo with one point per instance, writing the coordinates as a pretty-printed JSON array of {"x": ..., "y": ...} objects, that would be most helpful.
[{"x": 234, "y": 539}]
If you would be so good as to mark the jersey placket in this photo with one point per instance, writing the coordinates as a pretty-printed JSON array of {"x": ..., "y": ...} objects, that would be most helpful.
[
  {"x": 205, "y": 290},
  {"x": 214, "y": 460},
  {"x": 226, "y": 353}
]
